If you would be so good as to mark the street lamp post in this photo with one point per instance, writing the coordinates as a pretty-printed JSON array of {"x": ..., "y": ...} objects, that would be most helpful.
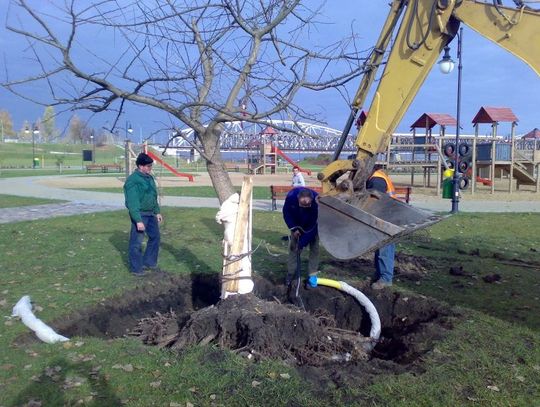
[
  {"x": 35, "y": 132},
  {"x": 129, "y": 130},
  {"x": 27, "y": 132},
  {"x": 93, "y": 149},
  {"x": 446, "y": 66}
]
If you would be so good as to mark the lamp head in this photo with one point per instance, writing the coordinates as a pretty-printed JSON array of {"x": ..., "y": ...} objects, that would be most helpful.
[{"x": 446, "y": 64}]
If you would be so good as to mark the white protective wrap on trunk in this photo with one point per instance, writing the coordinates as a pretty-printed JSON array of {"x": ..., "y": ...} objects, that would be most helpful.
[
  {"x": 23, "y": 310},
  {"x": 227, "y": 216}
]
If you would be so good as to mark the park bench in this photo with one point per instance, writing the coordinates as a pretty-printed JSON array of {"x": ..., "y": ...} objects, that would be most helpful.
[
  {"x": 94, "y": 168},
  {"x": 103, "y": 168},
  {"x": 235, "y": 167},
  {"x": 112, "y": 168},
  {"x": 281, "y": 191}
]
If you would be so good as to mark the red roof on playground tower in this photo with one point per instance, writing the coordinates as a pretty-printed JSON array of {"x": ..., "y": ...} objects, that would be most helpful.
[
  {"x": 494, "y": 114},
  {"x": 533, "y": 134},
  {"x": 429, "y": 120}
]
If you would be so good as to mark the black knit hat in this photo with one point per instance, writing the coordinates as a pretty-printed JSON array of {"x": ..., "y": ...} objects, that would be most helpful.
[{"x": 143, "y": 159}]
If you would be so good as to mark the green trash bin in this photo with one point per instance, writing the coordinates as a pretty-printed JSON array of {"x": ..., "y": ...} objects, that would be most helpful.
[
  {"x": 447, "y": 188},
  {"x": 36, "y": 163}
]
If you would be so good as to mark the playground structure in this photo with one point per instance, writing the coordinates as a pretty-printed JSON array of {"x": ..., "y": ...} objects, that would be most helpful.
[
  {"x": 130, "y": 157},
  {"x": 492, "y": 157},
  {"x": 419, "y": 153},
  {"x": 265, "y": 160}
]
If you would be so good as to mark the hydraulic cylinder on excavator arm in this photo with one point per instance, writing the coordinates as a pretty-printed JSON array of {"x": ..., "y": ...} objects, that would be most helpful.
[{"x": 353, "y": 220}]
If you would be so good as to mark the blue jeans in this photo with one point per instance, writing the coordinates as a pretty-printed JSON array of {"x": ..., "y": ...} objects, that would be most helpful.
[
  {"x": 384, "y": 263},
  {"x": 136, "y": 258}
]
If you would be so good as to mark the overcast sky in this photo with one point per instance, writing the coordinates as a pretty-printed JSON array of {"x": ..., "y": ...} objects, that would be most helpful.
[{"x": 491, "y": 77}]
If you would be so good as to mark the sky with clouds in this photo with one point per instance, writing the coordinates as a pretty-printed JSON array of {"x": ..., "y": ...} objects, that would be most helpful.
[{"x": 491, "y": 77}]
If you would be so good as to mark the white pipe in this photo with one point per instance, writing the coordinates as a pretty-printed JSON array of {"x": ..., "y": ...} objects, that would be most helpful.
[
  {"x": 23, "y": 309},
  {"x": 375, "y": 331}
]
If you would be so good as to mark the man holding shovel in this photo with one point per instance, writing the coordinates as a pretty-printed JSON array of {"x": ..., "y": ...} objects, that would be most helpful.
[{"x": 300, "y": 213}]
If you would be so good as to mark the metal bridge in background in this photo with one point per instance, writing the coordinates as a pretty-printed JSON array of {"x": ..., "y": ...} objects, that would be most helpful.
[{"x": 239, "y": 135}]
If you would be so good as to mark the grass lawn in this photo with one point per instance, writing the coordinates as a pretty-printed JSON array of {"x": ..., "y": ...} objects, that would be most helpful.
[
  {"x": 199, "y": 191},
  {"x": 491, "y": 356},
  {"x": 10, "y": 201},
  {"x": 20, "y": 155}
]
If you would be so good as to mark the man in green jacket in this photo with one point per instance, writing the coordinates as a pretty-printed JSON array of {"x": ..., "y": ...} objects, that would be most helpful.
[{"x": 141, "y": 200}]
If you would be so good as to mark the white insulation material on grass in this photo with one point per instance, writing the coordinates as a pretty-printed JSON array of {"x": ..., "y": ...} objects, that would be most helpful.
[{"x": 23, "y": 310}]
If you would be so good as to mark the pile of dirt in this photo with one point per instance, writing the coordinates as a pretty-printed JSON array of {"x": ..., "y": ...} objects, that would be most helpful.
[
  {"x": 158, "y": 293},
  {"x": 260, "y": 329},
  {"x": 412, "y": 267},
  {"x": 326, "y": 340},
  {"x": 406, "y": 266}
]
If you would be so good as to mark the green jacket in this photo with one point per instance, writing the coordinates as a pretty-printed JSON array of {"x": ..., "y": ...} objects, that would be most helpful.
[{"x": 141, "y": 195}]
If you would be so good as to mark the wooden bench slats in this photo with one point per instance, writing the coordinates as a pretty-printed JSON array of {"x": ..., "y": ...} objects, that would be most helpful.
[
  {"x": 103, "y": 167},
  {"x": 281, "y": 191}
]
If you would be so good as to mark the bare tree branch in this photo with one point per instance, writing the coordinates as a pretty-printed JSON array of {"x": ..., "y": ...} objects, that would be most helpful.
[{"x": 204, "y": 62}]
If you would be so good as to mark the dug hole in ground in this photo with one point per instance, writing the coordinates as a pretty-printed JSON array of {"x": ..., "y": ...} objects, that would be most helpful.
[
  {"x": 173, "y": 312},
  {"x": 325, "y": 339}
]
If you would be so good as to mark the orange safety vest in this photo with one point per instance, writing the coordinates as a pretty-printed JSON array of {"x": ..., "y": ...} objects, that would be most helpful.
[{"x": 390, "y": 190}]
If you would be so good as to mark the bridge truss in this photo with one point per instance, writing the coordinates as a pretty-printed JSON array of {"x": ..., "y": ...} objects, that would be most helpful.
[{"x": 239, "y": 135}]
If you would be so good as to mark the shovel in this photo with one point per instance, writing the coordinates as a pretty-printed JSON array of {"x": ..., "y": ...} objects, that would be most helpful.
[{"x": 296, "y": 299}]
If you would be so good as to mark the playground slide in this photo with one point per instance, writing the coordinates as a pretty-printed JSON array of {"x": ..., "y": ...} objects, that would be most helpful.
[
  {"x": 290, "y": 160},
  {"x": 170, "y": 168},
  {"x": 484, "y": 181}
]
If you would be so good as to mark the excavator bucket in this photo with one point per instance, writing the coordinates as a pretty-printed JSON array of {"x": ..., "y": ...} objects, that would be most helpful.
[{"x": 349, "y": 227}]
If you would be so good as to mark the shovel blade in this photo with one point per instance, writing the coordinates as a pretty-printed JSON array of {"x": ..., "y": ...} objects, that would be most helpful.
[{"x": 349, "y": 227}]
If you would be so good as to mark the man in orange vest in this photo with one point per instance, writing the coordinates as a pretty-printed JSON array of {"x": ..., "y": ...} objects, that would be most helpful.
[{"x": 384, "y": 257}]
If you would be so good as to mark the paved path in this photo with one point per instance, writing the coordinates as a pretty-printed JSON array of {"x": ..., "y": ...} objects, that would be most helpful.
[
  {"x": 89, "y": 201},
  {"x": 22, "y": 213}
]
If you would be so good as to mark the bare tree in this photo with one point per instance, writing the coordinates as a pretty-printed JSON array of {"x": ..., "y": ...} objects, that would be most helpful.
[
  {"x": 204, "y": 62},
  {"x": 76, "y": 130},
  {"x": 48, "y": 124},
  {"x": 6, "y": 125},
  {"x": 25, "y": 131}
]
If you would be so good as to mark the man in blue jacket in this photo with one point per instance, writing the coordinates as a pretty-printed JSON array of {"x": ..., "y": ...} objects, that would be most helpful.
[{"x": 300, "y": 213}]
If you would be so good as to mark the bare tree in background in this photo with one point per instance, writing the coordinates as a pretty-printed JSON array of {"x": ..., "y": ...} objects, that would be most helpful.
[
  {"x": 48, "y": 125},
  {"x": 202, "y": 62},
  {"x": 25, "y": 131},
  {"x": 6, "y": 125},
  {"x": 76, "y": 130}
]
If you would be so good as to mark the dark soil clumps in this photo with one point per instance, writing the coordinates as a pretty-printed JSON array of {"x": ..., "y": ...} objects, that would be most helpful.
[
  {"x": 406, "y": 266},
  {"x": 327, "y": 340},
  {"x": 260, "y": 328}
]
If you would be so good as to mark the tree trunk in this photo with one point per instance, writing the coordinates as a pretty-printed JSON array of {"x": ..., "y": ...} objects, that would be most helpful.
[
  {"x": 216, "y": 169},
  {"x": 220, "y": 180}
]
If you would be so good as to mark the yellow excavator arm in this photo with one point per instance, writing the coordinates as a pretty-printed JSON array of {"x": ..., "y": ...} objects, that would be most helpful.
[{"x": 425, "y": 28}]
